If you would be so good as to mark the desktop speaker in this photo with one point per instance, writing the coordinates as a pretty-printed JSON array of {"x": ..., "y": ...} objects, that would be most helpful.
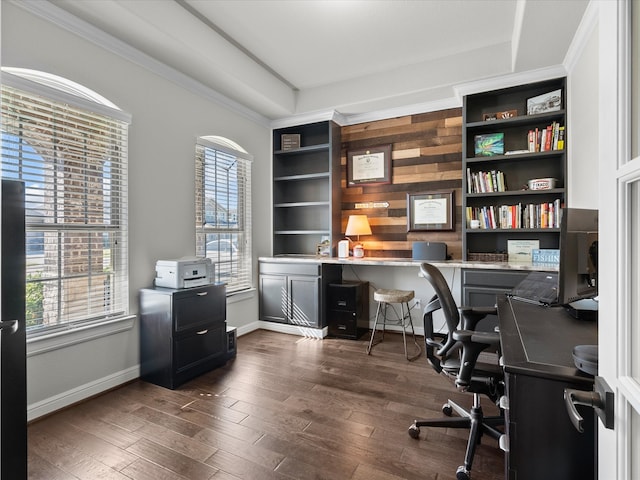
[{"x": 429, "y": 251}]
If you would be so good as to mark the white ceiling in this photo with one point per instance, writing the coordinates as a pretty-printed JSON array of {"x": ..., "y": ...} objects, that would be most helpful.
[{"x": 282, "y": 58}]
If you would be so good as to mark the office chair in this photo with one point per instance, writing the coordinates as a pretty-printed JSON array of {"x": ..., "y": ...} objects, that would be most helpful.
[{"x": 455, "y": 353}]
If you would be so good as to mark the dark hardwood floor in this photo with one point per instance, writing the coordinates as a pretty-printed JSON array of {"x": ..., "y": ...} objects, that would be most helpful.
[{"x": 286, "y": 407}]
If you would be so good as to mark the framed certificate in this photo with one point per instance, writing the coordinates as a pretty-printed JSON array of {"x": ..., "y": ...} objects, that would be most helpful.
[
  {"x": 369, "y": 166},
  {"x": 430, "y": 211}
]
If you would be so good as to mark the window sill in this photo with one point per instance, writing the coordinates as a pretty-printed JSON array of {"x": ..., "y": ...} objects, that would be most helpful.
[
  {"x": 240, "y": 296},
  {"x": 40, "y": 344}
]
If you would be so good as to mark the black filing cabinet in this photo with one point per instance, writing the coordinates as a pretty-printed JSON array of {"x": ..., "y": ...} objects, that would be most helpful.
[
  {"x": 183, "y": 333},
  {"x": 348, "y": 309}
]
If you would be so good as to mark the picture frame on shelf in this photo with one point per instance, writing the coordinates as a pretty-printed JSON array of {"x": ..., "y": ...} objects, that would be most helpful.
[
  {"x": 427, "y": 211},
  {"x": 369, "y": 166},
  {"x": 547, "y": 102},
  {"x": 489, "y": 144}
]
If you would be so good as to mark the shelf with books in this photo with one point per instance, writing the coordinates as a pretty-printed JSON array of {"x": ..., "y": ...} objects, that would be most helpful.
[
  {"x": 515, "y": 216},
  {"x": 514, "y": 165}
]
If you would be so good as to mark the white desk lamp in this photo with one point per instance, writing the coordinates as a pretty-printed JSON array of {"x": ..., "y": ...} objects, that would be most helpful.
[{"x": 358, "y": 225}]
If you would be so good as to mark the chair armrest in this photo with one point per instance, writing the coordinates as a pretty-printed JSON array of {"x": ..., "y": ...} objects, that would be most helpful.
[
  {"x": 473, "y": 343},
  {"x": 470, "y": 316}
]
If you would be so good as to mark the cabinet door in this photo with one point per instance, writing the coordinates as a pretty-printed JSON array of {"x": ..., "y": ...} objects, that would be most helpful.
[
  {"x": 273, "y": 298},
  {"x": 304, "y": 295}
]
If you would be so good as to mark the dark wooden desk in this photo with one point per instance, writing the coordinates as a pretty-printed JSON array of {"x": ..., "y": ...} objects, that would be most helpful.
[{"x": 537, "y": 345}]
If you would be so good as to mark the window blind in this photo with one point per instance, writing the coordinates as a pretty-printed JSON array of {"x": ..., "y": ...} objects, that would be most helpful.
[
  {"x": 223, "y": 211},
  {"x": 74, "y": 165}
]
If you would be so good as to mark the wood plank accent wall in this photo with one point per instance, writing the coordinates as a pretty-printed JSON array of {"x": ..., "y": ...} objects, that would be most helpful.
[{"x": 426, "y": 156}]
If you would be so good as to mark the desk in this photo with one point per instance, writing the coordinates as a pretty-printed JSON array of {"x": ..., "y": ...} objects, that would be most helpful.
[
  {"x": 302, "y": 280},
  {"x": 537, "y": 345}
]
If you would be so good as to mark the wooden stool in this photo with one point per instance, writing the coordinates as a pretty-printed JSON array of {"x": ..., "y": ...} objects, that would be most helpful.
[{"x": 384, "y": 298}]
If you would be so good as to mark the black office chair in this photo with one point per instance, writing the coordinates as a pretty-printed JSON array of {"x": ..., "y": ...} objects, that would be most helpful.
[{"x": 455, "y": 354}]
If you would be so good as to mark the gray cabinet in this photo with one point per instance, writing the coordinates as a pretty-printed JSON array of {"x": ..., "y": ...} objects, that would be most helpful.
[
  {"x": 182, "y": 333},
  {"x": 482, "y": 288},
  {"x": 293, "y": 293},
  {"x": 306, "y": 188}
]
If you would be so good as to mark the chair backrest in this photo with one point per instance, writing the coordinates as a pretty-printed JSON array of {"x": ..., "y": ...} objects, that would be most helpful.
[{"x": 443, "y": 300}]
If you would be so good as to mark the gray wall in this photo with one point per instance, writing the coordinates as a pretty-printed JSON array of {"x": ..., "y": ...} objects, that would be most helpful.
[{"x": 166, "y": 121}]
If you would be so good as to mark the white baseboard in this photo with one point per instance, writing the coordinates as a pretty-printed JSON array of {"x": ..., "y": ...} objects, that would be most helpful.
[{"x": 75, "y": 395}]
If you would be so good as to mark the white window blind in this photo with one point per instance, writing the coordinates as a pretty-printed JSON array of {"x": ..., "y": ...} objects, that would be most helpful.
[
  {"x": 223, "y": 210},
  {"x": 74, "y": 165}
]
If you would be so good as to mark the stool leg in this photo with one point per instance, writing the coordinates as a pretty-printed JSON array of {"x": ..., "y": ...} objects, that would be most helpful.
[
  {"x": 413, "y": 332},
  {"x": 373, "y": 332},
  {"x": 384, "y": 319},
  {"x": 403, "y": 321}
]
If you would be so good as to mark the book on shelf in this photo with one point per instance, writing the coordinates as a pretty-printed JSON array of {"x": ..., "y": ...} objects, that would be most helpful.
[
  {"x": 534, "y": 216},
  {"x": 546, "y": 139},
  {"x": 483, "y": 182}
]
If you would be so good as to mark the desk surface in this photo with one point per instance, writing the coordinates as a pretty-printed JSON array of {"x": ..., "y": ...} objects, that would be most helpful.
[
  {"x": 405, "y": 262},
  {"x": 538, "y": 341}
]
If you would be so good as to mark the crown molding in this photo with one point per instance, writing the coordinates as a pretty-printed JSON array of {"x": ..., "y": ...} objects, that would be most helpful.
[
  {"x": 584, "y": 32},
  {"x": 425, "y": 107},
  {"x": 509, "y": 80},
  {"x": 305, "y": 118},
  {"x": 71, "y": 23}
]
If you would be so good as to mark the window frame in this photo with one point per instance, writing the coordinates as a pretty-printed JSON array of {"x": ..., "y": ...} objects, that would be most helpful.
[
  {"x": 60, "y": 93},
  {"x": 227, "y": 150}
]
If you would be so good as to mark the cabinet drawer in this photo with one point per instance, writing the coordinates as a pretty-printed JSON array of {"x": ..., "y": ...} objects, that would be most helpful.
[
  {"x": 346, "y": 296},
  {"x": 290, "y": 268},
  {"x": 199, "y": 347},
  {"x": 199, "y": 306},
  {"x": 493, "y": 278}
]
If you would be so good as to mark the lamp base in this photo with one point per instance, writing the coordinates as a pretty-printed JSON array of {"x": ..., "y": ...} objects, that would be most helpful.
[{"x": 358, "y": 251}]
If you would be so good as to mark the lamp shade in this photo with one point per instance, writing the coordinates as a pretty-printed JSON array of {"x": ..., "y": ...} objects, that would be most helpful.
[{"x": 358, "y": 225}]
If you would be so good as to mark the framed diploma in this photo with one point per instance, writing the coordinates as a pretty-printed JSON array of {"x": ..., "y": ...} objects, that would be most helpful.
[
  {"x": 369, "y": 166},
  {"x": 430, "y": 211}
]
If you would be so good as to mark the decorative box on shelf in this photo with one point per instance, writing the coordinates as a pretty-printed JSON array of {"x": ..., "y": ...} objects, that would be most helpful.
[{"x": 290, "y": 141}]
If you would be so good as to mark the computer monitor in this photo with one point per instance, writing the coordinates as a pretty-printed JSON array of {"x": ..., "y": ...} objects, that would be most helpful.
[{"x": 578, "y": 270}]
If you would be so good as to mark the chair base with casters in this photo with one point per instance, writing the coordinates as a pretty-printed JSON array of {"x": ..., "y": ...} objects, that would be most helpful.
[
  {"x": 455, "y": 354},
  {"x": 384, "y": 299},
  {"x": 473, "y": 420}
]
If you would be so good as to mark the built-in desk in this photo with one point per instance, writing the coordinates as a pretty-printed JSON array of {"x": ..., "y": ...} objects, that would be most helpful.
[
  {"x": 537, "y": 345},
  {"x": 286, "y": 280}
]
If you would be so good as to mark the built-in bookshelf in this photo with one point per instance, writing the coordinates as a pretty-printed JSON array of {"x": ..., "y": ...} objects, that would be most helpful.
[
  {"x": 306, "y": 187},
  {"x": 514, "y": 167}
]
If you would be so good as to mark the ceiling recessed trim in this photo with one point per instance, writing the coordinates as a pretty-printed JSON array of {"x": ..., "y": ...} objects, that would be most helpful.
[{"x": 83, "y": 29}]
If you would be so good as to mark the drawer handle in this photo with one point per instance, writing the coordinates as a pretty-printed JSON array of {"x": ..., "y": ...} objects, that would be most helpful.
[
  {"x": 202, "y": 332},
  {"x": 201, "y": 294}
]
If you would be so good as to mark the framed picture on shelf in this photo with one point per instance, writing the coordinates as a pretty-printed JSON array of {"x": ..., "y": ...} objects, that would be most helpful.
[
  {"x": 430, "y": 211},
  {"x": 547, "y": 102},
  {"x": 489, "y": 144},
  {"x": 369, "y": 166}
]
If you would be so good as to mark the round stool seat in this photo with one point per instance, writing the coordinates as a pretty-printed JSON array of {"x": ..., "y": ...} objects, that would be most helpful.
[{"x": 393, "y": 296}]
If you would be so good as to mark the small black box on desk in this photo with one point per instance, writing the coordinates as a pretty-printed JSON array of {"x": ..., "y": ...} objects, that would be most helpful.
[{"x": 348, "y": 309}]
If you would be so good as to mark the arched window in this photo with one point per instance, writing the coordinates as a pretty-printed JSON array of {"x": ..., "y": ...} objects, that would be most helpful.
[
  {"x": 223, "y": 209},
  {"x": 69, "y": 146}
]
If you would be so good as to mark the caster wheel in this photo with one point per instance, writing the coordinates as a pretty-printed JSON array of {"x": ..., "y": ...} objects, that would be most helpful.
[
  {"x": 414, "y": 432},
  {"x": 447, "y": 409},
  {"x": 463, "y": 474}
]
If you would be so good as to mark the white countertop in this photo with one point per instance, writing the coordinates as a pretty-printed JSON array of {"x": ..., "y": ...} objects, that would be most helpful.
[{"x": 407, "y": 262}]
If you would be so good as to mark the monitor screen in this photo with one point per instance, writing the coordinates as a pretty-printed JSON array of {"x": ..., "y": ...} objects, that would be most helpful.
[{"x": 578, "y": 271}]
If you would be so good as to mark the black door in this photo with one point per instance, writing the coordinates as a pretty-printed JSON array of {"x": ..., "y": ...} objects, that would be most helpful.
[{"x": 13, "y": 358}]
